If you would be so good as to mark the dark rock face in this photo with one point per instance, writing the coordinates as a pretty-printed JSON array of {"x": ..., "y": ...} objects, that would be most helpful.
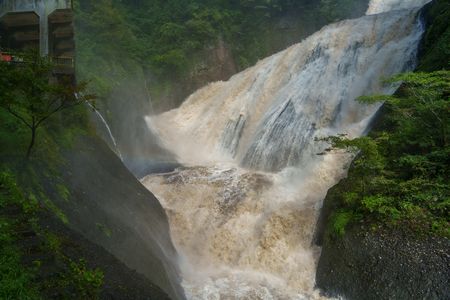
[
  {"x": 367, "y": 264},
  {"x": 120, "y": 282},
  {"x": 214, "y": 63},
  {"x": 110, "y": 208}
]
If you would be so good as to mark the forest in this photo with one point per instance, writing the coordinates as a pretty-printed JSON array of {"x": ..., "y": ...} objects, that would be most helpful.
[{"x": 164, "y": 37}]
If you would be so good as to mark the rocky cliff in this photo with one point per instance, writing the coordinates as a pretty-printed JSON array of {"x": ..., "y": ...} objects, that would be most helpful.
[
  {"x": 375, "y": 261},
  {"x": 110, "y": 207}
]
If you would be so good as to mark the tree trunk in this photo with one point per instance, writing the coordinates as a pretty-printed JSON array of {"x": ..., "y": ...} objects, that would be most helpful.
[{"x": 33, "y": 139}]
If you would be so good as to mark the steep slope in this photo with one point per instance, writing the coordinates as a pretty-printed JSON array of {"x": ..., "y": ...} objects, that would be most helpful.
[
  {"x": 111, "y": 208},
  {"x": 372, "y": 259}
]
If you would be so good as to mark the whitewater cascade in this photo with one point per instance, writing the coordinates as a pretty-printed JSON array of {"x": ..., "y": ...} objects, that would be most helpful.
[
  {"x": 379, "y": 6},
  {"x": 243, "y": 208}
]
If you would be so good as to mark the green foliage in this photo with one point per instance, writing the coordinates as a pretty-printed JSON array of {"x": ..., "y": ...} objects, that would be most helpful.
[
  {"x": 436, "y": 44},
  {"x": 103, "y": 228},
  {"x": 381, "y": 205},
  {"x": 55, "y": 210},
  {"x": 29, "y": 102},
  {"x": 63, "y": 191},
  {"x": 22, "y": 201},
  {"x": 401, "y": 175},
  {"x": 28, "y": 93},
  {"x": 334, "y": 10},
  {"x": 340, "y": 221},
  {"x": 131, "y": 39},
  {"x": 15, "y": 279},
  {"x": 53, "y": 242},
  {"x": 19, "y": 280},
  {"x": 10, "y": 192},
  {"x": 87, "y": 281},
  {"x": 106, "y": 45}
]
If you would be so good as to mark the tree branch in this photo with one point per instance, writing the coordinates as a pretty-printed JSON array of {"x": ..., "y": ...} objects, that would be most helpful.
[
  {"x": 18, "y": 117},
  {"x": 61, "y": 107}
]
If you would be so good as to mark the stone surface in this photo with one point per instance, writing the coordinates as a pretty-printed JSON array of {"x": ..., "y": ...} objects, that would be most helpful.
[
  {"x": 384, "y": 264},
  {"x": 109, "y": 207}
]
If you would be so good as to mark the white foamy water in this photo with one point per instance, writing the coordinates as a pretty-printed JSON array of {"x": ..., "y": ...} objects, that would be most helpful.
[
  {"x": 243, "y": 209},
  {"x": 380, "y": 6}
]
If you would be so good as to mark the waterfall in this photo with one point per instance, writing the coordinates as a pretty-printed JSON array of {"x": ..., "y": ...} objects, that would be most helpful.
[
  {"x": 379, "y": 6},
  {"x": 243, "y": 208},
  {"x": 108, "y": 129}
]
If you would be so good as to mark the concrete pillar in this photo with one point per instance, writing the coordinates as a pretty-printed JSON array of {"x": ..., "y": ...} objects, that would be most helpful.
[
  {"x": 43, "y": 8},
  {"x": 43, "y": 32}
]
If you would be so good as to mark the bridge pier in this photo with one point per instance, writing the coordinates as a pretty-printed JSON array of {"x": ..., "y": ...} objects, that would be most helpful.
[{"x": 46, "y": 25}]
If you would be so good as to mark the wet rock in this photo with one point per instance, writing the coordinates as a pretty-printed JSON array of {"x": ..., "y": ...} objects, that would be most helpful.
[{"x": 384, "y": 264}]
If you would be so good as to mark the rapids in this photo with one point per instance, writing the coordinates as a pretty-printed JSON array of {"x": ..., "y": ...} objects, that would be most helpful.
[{"x": 243, "y": 209}]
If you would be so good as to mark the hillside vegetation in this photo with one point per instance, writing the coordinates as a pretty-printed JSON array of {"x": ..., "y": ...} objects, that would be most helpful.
[
  {"x": 163, "y": 40},
  {"x": 401, "y": 173},
  {"x": 400, "y": 177},
  {"x": 41, "y": 120}
]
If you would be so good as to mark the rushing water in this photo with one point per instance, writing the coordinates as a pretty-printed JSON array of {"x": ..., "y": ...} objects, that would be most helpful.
[
  {"x": 243, "y": 209},
  {"x": 108, "y": 129},
  {"x": 379, "y": 6}
]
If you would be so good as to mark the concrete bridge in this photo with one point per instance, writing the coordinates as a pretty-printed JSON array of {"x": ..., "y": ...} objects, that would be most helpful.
[{"x": 46, "y": 25}]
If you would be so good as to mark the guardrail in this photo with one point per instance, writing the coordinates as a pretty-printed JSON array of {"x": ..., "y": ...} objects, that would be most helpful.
[
  {"x": 56, "y": 60},
  {"x": 62, "y": 64},
  {"x": 63, "y": 61},
  {"x": 10, "y": 57}
]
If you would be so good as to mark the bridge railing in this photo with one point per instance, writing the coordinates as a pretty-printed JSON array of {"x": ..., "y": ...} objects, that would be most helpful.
[
  {"x": 62, "y": 64},
  {"x": 63, "y": 61},
  {"x": 10, "y": 57}
]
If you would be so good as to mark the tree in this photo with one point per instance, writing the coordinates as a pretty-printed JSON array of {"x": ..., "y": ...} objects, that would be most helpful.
[
  {"x": 401, "y": 172},
  {"x": 30, "y": 93}
]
